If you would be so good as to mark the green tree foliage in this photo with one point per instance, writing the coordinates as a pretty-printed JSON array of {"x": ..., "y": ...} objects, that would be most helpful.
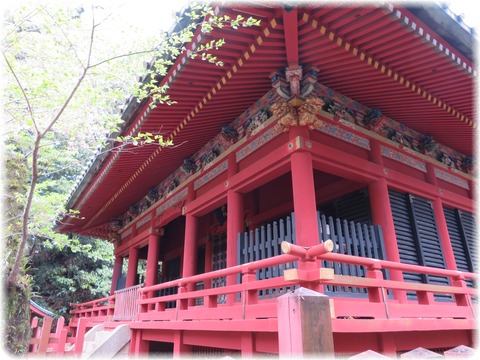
[
  {"x": 64, "y": 276},
  {"x": 66, "y": 78},
  {"x": 57, "y": 117}
]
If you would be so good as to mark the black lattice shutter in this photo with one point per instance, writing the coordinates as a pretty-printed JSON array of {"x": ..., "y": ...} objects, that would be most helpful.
[
  {"x": 457, "y": 240},
  {"x": 407, "y": 245},
  {"x": 461, "y": 231},
  {"x": 467, "y": 221},
  {"x": 354, "y": 207},
  {"x": 431, "y": 251},
  {"x": 417, "y": 237}
]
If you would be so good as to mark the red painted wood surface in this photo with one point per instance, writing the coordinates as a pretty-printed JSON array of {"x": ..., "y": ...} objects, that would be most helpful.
[
  {"x": 252, "y": 315},
  {"x": 44, "y": 341}
]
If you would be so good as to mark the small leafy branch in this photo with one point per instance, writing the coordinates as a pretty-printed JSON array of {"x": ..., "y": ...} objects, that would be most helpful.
[
  {"x": 173, "y": 45},
  {"x": 72, "y": 213},
  {"x": 145, "y": 139},
  {"x": 43, "y": 126}
]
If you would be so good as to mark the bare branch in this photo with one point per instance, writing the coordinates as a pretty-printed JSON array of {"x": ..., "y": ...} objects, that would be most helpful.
[
  {"x": 122, "y": 56},
  {"x": 25, "y": 96},
  {"x": 18, "y": 27},
  {"x": 10, "y": 219},
  {"x": 67, "y": 38}
]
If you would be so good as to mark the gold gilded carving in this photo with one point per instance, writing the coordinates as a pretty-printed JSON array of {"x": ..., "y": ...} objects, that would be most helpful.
[{"x": 297, "y": 112}]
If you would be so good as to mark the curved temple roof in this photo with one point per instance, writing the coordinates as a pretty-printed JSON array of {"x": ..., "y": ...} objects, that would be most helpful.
[
  {"x": 38, "y": 310},
  {"x": 385, "y": 57}
]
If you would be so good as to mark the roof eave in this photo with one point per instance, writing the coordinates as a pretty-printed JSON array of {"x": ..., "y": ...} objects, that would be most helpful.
[{"x": 446, "y": 27}]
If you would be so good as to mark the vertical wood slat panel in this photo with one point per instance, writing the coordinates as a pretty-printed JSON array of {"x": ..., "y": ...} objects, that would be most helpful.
[
  {"x": 349, "y": 237},
  {"x": 269, "y": 244},
  {"x": 262, "y": 245},
  {"x": 282, "y": 267},
  {"x": 275, "y": 242}
]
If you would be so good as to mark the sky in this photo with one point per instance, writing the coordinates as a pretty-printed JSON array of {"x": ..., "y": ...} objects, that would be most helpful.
[{"x": 154, "y": 14}]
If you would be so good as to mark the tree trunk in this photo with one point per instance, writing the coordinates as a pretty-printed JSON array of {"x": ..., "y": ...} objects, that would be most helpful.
[{"x": 17, "y": 333}]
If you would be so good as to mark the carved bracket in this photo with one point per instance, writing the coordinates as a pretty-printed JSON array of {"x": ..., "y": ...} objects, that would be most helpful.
[{"x": 296, "y": 109}]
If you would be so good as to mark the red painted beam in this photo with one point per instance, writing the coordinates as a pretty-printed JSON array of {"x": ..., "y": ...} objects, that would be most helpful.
[
  {"x": 276, "y": 163},
  {"x": 333, "y": 161},
  {"x": 290, "y": 24},
  {"x": 398, "y": 325}
]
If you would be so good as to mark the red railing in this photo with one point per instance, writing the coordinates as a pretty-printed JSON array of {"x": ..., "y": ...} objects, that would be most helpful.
[
  {"x": 99, "y": 310},
  {"x": 126, "y": 306},
  {"x": 243, "y": 302},
  {"x": 247, "y": 305},
  {"x": 43, "y": 341}
]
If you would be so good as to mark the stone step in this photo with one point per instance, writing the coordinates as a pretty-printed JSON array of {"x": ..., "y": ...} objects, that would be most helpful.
[
  {"x": 101, "y": 336},
  {"x": 108, "y": 342}
]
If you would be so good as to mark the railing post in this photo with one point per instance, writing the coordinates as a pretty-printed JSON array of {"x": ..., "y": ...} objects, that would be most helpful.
[
  {"x": 182, "y": 304},
  {"x": 249, "y": 297},
  {"x": 144, "y": 307},
  {"x": 308, "y": 265},
  {"x": 45, "y": 335},
  {"x": 80, "y": 336},
  {"x": 36, "y": 331},
  {"x": 373, "y": 272},
  {"x": 111, "y": 308},
  {"x": 61, "y": 336},
  {"x": 425, "y": 298},
  {"x": 461, "y": 299},
  {"x": 377, "y": 294},
  {"x": 304, "y": 324}
]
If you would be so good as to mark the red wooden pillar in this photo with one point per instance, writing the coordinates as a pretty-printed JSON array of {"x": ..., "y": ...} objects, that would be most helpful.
[
  {"x": 179, "y": 348},
  {"x": 152, "y": 261},
  {"x": 189, "y": 261},
  {"x": 152, "y": 258},
  {"x": 190, "y": 248},
  {"x": 138, "y": 346},
  {"x": 382, "y": 215},
  {"x": 117, "y": 272},
  {"x": 304, "y": 203},
  {"x": 248, "y": 344},
  {"x": 235, "y": 224},
  {"x": 387, "y": 344},
  {"x": 442, "y": 227},
  {"x": 132, "y": 267},
  {"x": 443, "y": 234}
]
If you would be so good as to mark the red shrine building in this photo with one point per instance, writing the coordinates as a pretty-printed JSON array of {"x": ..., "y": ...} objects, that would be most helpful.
[{"x": 346, "y": 132}]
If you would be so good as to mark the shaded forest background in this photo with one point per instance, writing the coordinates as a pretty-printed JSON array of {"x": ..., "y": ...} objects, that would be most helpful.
[
  {"x": 69, "y": 68},
  {"x": 45, "y": 49}
]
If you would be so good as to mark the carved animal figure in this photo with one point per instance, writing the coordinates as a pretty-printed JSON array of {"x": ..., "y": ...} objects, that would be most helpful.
[
  {"x": 307, "y": 113},
  {"x": 372, "y": 119},
  {"x": 284, "y": 114},
  {"x": 189, "y": 166},
  {"x": 229, "y": 133}
]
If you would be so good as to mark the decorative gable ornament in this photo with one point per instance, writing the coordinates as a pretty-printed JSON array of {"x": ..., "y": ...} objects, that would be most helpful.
[{"x": 296, "y": 109}]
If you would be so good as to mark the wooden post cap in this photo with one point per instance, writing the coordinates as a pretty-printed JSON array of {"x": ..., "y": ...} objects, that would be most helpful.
[
  {"x": 329, "y": 245},
  {"x": 285, "y": 246}
]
